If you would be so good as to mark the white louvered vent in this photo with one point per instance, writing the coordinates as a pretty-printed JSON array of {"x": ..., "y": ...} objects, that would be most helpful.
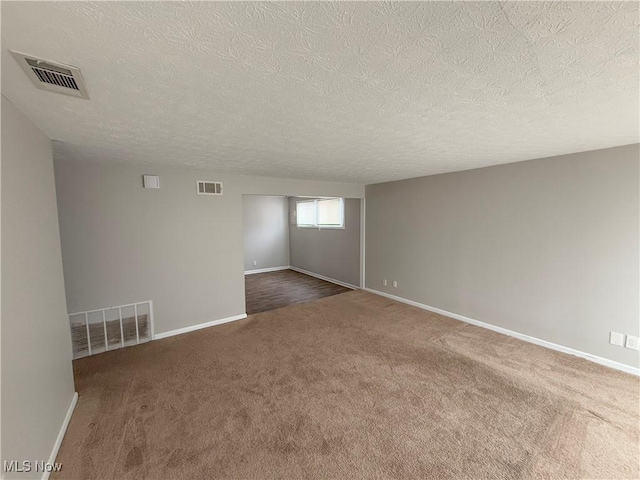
[
  {"x": 208, "y": 188},
  {"x": 51, "y": 76}
]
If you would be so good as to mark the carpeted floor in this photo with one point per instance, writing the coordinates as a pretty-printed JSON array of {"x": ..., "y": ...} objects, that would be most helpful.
[{"x": 349, "y": 386}]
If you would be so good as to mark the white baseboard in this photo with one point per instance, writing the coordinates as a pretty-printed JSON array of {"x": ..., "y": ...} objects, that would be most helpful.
[
  {"x": 521, "y": 336},
  {"x": 265, "y": 270},
  {"x": 63, "y": 430},
  {"x": 322, "y": 277},
  {"x": 191, "y": 328}
]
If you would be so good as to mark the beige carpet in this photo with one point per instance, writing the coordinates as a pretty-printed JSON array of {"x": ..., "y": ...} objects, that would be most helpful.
[{"x": 349, "y": 386}]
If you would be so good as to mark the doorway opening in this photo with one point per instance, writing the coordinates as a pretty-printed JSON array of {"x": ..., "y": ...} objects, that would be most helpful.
[{"x": 297, "y": 249}]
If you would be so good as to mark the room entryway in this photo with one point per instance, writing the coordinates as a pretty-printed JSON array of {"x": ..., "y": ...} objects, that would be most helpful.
[{"x": 298, "y": 249}]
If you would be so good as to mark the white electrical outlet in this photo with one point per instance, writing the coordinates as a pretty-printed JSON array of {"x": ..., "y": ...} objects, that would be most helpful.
[
  {"x": 616, "y": 338},
  {"x": 384, "y": 282},
  {"x": 255, "y": 262},
  {"x": 632, "y": 342},
  {"x": 395, "y": 284}
]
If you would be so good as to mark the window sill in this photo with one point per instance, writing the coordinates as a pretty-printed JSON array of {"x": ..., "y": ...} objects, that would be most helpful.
[{"x": 320, "y": 227}]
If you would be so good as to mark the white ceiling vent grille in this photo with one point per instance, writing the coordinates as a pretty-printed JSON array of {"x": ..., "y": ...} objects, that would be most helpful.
[
  {"x": 209, "y": 188},
  {"x": 52, "y": 76}
]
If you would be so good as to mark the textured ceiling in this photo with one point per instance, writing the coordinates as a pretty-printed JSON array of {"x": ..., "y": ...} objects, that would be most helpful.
[{"x": 363, "y": 92}]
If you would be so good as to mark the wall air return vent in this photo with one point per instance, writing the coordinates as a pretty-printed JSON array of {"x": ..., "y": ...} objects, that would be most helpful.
[
  {"x": 53, "y": 76},
  {"x": 208, "y": 188}
]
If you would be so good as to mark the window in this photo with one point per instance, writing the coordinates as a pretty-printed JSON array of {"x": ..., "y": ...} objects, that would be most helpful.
[
  {"x": 321, "y": 213},
  {"x": 306, "y": 213},
  {"x": 330, "y": 212}
]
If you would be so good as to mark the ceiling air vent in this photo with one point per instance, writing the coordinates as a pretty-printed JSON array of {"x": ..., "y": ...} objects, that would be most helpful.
[
  {"x": 52, "y": 76},
  {"x": 209, "y": 188}
]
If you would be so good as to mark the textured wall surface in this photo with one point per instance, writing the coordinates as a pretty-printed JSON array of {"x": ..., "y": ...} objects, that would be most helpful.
[
  {"x": 122, "y": 243},
  {"x": 548, "y": 248},
  {"x": 333, "y": 253},
  {"x": 348, "y": 91},
  {"x": 37, "y": 378},
  {"x": 266, "y": 231}
]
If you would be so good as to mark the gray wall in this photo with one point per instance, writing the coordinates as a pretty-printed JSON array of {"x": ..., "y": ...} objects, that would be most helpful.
[
  {"x": 122, "y": 243},
  {"x": 547, "y": 248},
  {"x": 266, "y": 232},
  {"x": 37, "y": 379},
  {"x": 333, "y": 253}
]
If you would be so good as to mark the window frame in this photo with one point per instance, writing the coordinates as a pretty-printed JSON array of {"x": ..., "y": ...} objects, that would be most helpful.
[{"x": 322, "y": 226}]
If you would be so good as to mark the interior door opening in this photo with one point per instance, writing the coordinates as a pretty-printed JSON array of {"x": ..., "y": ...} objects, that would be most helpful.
[{"x": 297, "y": 249}]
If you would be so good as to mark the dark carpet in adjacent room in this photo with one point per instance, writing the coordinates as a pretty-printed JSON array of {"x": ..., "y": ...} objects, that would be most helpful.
[
  {"x": 346, "y": 387},
  {"x": 271, "y": 290}
]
